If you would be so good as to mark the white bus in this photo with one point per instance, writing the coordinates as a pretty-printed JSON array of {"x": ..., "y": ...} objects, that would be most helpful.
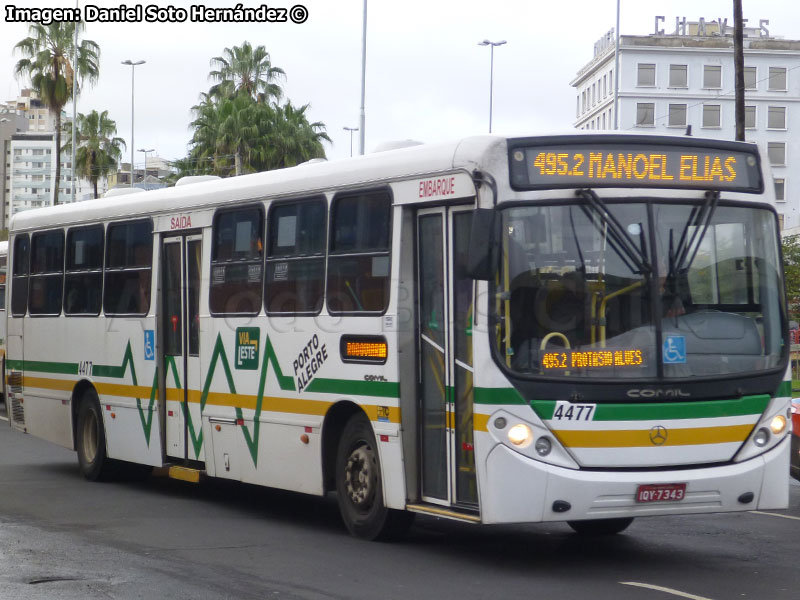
[
  {"x": 579, "y": 328},
  {"x": 3, "y": 273}
]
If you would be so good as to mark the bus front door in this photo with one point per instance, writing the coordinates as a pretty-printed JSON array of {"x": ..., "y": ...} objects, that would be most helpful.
[
  {"x": 444, "y": 347},
  {"x": 180, "y": 326}
]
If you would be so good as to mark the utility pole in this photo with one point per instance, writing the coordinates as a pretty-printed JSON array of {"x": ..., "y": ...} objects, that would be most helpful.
[{"x": 738, "y": 68}]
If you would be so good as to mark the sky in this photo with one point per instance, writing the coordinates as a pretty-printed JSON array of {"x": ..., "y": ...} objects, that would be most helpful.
[{"x": 427, "y": 77}]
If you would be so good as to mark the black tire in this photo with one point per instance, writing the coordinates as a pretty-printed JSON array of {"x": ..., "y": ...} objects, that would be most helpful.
[
  {"x": 359, "y": 486},
  {"x": 91, "y": 441},
  {"x": 597, "y": 527}
]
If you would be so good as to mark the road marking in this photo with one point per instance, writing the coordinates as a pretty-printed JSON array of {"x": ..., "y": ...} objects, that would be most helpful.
[
  {"x": 769, "y": 514},
  {"x": 666, "y": 590}
]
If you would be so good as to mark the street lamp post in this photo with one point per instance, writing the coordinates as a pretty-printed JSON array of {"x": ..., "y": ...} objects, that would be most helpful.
[
  {"x": 133, "y": 69},
  {"x": 145, "y": 152},
  {"x": 491, "y": 73},
  {"x": 351, "y": 130}
]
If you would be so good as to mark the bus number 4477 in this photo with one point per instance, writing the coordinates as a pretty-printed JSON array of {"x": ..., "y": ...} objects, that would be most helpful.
[{"x": 567, "y": 411}]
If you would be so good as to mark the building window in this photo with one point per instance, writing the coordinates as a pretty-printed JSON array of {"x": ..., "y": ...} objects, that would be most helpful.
[
  {"x": 645, "y": 114},
  {"x": 780, "y": 190},
  {"x": 777, "y": 153},
  {"x": 711, "y": 116},
  {"x": 712, "y": 76},
  {"x": 677, "y": 115},
  {"x": 780, "y": 222},
  {"x": 646, "y": 75},
  {"x": 750, "y": 78},
  {"x": 750, "y": 117},
  {"x": 777, "y": 79},
  {"x": 677, "y": 76},
  {"x": 776, "y": 117}
]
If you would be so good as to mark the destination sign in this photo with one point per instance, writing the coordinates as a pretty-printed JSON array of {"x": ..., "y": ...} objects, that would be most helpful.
[
  {"x": 634, "y": 165},
  {"x": 564, "y": 360}
]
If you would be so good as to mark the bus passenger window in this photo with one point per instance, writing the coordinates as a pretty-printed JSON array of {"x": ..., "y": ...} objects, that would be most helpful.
[
  {"x": 47, "y": 273},
  {"x": 19, "y": 276},
  {"x": 296, "y": 258},
  {"x": 237, "y": 262},
  {"x": 129, "y": 263},
  {"x": 359, "y": 260},
  {"x": 83, "y": 281}
]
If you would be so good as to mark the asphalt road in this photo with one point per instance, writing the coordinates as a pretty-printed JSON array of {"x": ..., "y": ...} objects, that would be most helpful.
[{"x": 63, "y": 537}]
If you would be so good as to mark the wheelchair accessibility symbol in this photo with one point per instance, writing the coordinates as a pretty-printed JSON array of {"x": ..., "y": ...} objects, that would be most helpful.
[
  {"x": 674, "y": 350},
  {"x": 149, "y": 344}
]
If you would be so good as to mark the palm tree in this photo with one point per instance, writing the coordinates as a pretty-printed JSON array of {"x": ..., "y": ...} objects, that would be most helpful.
[
  {"x": 288, "y": 139},
  {"x": 47, "y": 53},
  {"x": 245, "y": 69},
  {"x": 238, "y": 133},
  {"x": 98, "y": 152}
]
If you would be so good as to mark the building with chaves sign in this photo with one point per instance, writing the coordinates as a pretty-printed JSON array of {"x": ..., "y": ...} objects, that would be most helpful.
[{"x": 684, "y": 81}]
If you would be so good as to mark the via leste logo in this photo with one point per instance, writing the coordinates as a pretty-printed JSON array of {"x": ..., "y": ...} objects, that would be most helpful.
[{"x": 247, "y": 348}]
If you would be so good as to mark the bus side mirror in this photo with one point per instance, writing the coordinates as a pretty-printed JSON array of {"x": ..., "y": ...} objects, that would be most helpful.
[{"x": 480, "y": 260}]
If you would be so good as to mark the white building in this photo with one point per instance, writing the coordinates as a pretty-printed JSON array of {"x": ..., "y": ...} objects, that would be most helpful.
[
  {"x": 33, "y": 170},
  {"x": 670, "y": 82}
]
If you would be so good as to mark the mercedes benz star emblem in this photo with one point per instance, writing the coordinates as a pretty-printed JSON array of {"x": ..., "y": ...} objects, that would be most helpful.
[{"x": 658, "y": 435}]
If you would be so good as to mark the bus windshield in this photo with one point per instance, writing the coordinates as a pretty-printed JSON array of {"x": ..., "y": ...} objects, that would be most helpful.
[{"x": 633, "y": 289}]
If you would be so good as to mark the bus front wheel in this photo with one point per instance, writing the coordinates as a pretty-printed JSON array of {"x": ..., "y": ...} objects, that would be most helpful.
[
  {"x": 600, "y": 526},
  {"x": 359, "y": 486},
  {"x": 91, "y": 441}
]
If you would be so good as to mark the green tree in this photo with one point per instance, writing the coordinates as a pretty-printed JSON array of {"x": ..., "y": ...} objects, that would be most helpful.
[
  {"x": 98, "y": 151},
  {"x": 287, "y": 138},
  {"x": 791, "y": 269},
  {"x": 47, "y": 61},
  {"x": 246, "y": 69}
]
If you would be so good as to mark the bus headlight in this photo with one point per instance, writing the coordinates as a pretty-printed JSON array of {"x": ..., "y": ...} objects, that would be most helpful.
[
  {"x": 543, "y": 446},
  {"x": 778, "y": 424},
  {"x": 520, "y": 435},
  {"x": 761, "y": 438}
]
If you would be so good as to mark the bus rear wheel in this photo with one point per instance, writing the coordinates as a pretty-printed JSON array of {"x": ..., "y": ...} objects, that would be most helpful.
[
  {"x": 91, "y": 441},
  {"x": 359, "y": 486},
  {"x": 594, "y": 527}
]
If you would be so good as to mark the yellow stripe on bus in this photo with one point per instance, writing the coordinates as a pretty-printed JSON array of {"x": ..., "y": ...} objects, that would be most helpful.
[
  {"x": 641, "y": 438},
  {"x": 244, "y": 401}
]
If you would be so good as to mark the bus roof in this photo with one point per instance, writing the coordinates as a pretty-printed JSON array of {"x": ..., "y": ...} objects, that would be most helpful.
[
  {"x": 308, "y": 178},
  {"x": 361, "y": 171}
]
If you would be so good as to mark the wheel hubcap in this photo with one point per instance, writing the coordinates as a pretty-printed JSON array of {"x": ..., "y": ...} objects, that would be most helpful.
[{"x": 360, "y": 476}]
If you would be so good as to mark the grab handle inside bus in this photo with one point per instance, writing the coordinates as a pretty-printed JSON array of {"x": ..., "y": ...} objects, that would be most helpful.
[{"x": 480, "y": 261}]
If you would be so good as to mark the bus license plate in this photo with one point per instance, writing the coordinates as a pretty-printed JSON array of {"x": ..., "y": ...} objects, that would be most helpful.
[{"x": 668, "y": 492}]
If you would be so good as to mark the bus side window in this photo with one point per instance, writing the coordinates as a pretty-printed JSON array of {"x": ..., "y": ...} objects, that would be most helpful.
[
  {"x": 237, "y": 262},
  {"x": 47, "y": 273},
  {"x": 296, "y": 257},
  {"x": 83, "y": 280},
  {"x": 359, "y": 260},
  {"x": 129, "y": 263},
  {"x": 19, "y": 276}
]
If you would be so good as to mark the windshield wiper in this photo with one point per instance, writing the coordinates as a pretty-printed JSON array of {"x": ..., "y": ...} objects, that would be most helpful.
[
  {"x": 617, "y": 233},
  {"x": 700, "y": 219}
]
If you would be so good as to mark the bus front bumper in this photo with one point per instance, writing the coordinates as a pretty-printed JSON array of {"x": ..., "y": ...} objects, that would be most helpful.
[{"x": 518, "y": 489}]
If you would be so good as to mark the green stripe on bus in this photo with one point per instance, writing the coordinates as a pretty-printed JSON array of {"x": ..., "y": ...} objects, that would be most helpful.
[
  {"x": 498, "y": 396},
  {"x": 748, "y": 405},
  {"x": 38, "y": 366},
  {"x": 382, "y": 389},
  {"x": 784, "y": 390}
]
